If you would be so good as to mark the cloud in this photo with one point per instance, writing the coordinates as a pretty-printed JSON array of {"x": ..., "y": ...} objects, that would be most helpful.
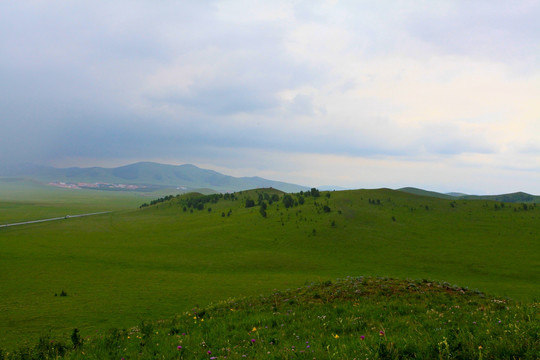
[
  {"x": 400, "y": 84},
  {"x": 493, "y": 30}
]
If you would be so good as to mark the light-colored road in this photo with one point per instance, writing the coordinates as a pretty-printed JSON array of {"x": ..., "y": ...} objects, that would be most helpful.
[{"x": 52, "y": 219}]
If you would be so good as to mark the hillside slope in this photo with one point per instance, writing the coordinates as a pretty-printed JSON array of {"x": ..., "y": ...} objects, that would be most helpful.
[
  {"x": 151, "y": 262},
  {"x": 518, "y": 197}
]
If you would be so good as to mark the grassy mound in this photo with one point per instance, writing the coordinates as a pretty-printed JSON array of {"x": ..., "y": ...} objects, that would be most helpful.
[{"x": 363, "y": 318}]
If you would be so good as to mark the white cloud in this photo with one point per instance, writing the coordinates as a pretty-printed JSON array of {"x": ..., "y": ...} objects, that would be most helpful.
[{"x": 379, "y": 86}]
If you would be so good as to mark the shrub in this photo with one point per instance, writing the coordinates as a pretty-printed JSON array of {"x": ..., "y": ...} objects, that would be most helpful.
[{"x": 76, "y": 339}]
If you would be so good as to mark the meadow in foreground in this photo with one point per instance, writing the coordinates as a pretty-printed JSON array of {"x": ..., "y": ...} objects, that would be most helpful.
[
  {"x": 121, "y": 268},
  {"x": 353, "y": 318}
]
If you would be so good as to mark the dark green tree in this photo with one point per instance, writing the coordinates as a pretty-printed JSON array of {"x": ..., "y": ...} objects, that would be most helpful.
[{"x": 288, "y": 201}]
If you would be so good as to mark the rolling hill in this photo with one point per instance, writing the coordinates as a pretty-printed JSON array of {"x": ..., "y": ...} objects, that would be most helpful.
[
  {"x": 157, "y": 261},
  {"x": 518, "y": 197}
]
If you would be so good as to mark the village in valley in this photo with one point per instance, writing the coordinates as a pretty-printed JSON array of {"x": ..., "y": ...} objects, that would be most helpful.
[{"x": 96, "y": 186}]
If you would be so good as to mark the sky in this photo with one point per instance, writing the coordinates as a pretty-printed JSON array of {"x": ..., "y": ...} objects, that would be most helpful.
[{"x": 442, "y": 95}]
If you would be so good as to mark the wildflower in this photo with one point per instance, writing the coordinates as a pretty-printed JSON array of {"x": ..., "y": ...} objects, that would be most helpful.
[
  {"x": 362, "y": 337},
  {"x": 381, "y": 333},
  {"x": 480, "y": 347},
  {"x": 183, "y": 334},
  {"x": 179, "y": 347},
  {"x": 336, "y": 336},
  {"x": 253, "y": 341},
  {"x": 254, "y": 329},
  {"x": 307, "y": 347},
  {"x": 208, "y": 352}
]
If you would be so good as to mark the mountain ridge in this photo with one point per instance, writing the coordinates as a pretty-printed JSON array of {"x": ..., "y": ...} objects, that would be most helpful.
[{"x": 149, "y": 173}]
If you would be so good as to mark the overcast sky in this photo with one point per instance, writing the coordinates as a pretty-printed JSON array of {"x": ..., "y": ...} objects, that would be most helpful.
[{"x": 443, "y": 95}]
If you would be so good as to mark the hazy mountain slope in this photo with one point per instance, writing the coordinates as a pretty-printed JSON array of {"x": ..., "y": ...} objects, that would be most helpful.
[{"x": 149, "y": 173}]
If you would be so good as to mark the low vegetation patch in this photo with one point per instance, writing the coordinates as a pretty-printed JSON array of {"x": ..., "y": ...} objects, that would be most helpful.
[{"x": 362, "y": 318}]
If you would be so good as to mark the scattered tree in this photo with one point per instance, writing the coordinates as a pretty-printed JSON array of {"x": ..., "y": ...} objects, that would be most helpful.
[{"x": 288, "y": 201}]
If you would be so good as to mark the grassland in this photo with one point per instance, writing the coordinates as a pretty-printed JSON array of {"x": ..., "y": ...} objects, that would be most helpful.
[
  {"x": 25, "y": 200},
  {"x": 153, "y": 263},
  {"x": 360, "y": 318}
]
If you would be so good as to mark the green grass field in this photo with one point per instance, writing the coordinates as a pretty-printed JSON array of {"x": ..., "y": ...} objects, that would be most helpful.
[
  {"x": 152, "y": 263},
  {"x": 352, "y": 318},
  {"x": 25, "y": 200}
]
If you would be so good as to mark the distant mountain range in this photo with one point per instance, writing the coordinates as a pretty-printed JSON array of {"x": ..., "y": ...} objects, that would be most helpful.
[
  {"x": 148, "y": 174},
  {"x": 518, "y": 197}
]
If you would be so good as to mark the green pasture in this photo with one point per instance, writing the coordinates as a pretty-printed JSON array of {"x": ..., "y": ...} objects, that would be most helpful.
[
  {"x": 152, "y": 263},
  {"x": 26, "y": 200},
  {"x": 352, "y": 318}
]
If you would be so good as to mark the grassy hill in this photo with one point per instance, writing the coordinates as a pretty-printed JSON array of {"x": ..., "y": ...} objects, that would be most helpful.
[
  {"x": 149, "y": 173},
  {"x": 421, "y": 192},
  {"x": 518, "y": 197},
  {"x": 372, "y": 318},
  {"x": 152, "y": 263}
]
